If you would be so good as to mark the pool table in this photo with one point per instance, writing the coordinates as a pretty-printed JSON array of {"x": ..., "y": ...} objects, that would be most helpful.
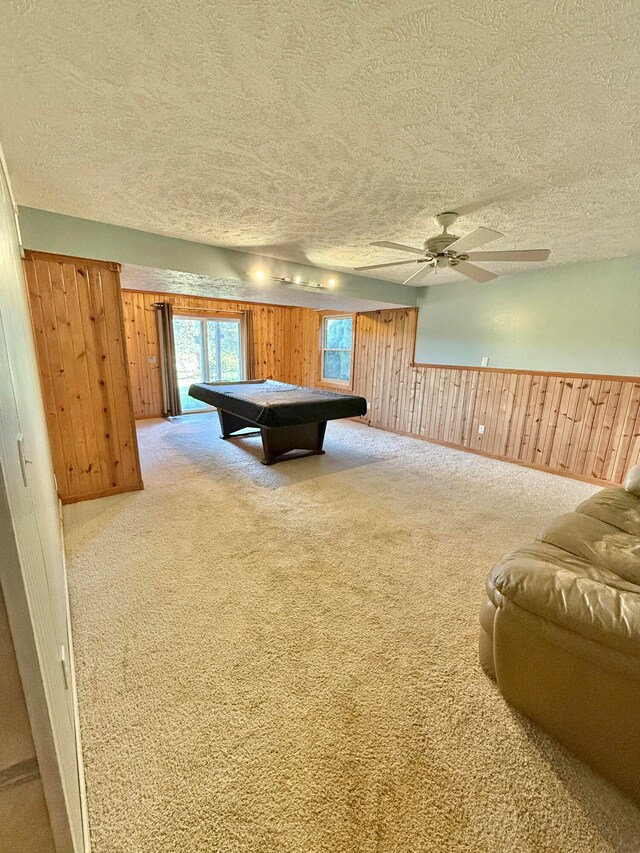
[{"x": 287, "y": 417}]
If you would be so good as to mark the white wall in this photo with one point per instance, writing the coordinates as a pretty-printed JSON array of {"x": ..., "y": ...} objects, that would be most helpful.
[
  {"x": 32, "y": 571},
  {"x": 576, "y": 317}
]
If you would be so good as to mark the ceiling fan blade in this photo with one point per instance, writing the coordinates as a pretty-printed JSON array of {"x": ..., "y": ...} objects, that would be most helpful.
[
  {"x": 400, "y": 246},
  {"x": 472, "y": 271},
  {"x": 425, "y": 268},
  {"x": 391, "y": 264},
  {"x": 515, "y": 255},
  {"x": 475, "y": 238}
]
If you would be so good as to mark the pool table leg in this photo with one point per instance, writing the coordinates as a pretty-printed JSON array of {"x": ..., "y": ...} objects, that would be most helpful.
[
  {"x": 232, "y": 423},
  {"x": 277, "y": 441}
]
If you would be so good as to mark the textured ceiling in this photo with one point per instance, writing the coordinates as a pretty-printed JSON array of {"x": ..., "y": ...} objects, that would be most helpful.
[
  {"x": 305, "y": 129},
  {"x": 134, "y": 277}
]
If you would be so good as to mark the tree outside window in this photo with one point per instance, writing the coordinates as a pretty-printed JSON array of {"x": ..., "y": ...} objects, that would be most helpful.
[{"x": 207, "y": 350}]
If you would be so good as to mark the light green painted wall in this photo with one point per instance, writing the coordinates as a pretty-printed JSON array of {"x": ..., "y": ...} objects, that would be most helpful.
[
  {"x": 577, "y": 317},
  {"x": 67, "y": 235}
]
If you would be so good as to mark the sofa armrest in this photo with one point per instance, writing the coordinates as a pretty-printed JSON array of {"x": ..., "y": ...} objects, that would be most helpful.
[{"x": 584, "y": 694}]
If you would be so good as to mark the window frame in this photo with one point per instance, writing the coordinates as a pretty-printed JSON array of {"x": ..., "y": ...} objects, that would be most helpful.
[{"x": 324, "y": 317}]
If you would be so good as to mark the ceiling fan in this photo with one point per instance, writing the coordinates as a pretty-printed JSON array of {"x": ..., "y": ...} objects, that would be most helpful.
[{"x": 447, "y": 250}]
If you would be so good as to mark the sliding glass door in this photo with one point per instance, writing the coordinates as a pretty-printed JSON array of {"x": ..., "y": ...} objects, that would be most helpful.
[{"x": 206, "y": 351}]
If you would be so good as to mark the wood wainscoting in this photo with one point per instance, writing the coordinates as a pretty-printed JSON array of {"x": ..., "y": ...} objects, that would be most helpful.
[
  {"x": 582, "y": 426},
  {"x": 76, "y": 312}
]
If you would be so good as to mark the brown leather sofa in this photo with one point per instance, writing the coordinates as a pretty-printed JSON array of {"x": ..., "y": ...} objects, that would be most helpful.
[{"x": 561, "y": 631}]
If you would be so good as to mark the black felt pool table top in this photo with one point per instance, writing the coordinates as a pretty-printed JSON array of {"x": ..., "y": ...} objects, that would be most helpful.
[{"x": 270, "y": 403}]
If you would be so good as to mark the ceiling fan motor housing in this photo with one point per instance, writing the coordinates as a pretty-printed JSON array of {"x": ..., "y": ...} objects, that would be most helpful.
[
  {"x": 435, "y": 245},
  {"x": 440, "y": 243}
]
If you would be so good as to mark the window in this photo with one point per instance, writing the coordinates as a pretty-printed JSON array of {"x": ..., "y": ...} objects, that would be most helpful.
[
  {"x": 337, "y": 345},
  {"x": 207, "y": 350}
]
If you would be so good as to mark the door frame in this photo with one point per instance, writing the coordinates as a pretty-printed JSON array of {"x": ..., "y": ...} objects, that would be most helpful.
[{"x": 203, "y": 317}]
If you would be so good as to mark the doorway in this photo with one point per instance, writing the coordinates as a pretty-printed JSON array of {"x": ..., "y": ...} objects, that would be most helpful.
[{"x": 207, "y": 350}]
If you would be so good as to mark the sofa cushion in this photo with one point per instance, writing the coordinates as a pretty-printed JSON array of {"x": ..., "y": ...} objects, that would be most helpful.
[
  {"x": 570, "y": 591},
  {"x": 597, "y": 542},
  {"x": 615, "y": 506}
]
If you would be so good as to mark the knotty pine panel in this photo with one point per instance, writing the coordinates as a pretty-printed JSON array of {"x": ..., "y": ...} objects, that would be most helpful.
[
  {"x": 583, "y": 426},
  {"x": 77, "y": 320},
  {"x": 284, "y": 342}
]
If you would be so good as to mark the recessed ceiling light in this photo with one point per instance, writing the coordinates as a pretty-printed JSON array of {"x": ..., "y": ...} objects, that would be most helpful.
[
  {"x": 259, "y": 275},
  {"x": 332, "y": 282},
  {"x": 297, "y": 279}
]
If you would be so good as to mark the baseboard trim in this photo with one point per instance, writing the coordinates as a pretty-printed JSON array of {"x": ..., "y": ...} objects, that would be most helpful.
[
  {"x": 582, "y": 477},
  {"x": 105, "y": 493}
]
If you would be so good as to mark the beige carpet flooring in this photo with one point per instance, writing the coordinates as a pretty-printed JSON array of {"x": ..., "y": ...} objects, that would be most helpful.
[{"x": 284, "y": 659}]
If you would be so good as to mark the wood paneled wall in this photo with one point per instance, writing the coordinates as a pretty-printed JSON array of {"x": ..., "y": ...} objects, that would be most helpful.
[
  {"x": 587, "y": 427},
  {"x": 584, "y": 426},
  {"x": 76, "y": 312},
  {"x": 284, "y": 342}
]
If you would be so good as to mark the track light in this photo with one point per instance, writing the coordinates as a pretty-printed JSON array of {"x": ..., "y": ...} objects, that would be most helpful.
[{"x": 261, "y": 276}]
